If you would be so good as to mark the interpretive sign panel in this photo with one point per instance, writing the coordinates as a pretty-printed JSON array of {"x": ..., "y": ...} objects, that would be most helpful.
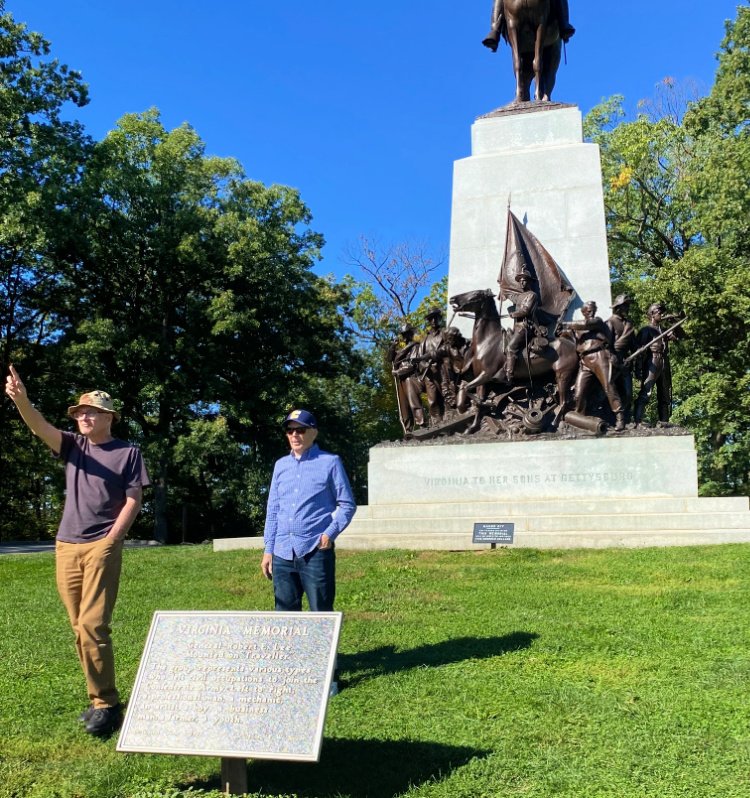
[
  {"x": 493, "y": 533},
  {"x": 233, "y": 684}
]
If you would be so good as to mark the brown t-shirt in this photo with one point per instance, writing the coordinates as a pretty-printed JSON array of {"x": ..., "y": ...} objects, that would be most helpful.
[{"x": 98, "y": 479}]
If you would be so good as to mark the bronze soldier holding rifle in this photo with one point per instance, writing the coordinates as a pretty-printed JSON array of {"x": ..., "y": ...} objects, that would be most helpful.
[
  {"x": 652, "y": 346},
  {"x": 623, "y": 335}
]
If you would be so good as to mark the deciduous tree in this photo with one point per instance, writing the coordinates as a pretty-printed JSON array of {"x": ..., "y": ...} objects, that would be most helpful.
[
  {"x": 197, "y": 306},
  {"x": 41, "y": 156},
  {"x": 678, "y": 216}
]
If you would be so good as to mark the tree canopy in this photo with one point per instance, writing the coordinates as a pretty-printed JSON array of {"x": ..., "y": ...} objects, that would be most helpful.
[
  {"x": 41, "y": 156},
  {"x": 196, "y": 302},
  {"x": 142, "y": 265},
  {"x": 678, "y": 219}
]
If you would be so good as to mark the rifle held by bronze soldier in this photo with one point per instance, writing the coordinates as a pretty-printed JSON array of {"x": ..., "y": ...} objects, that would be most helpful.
[{"x": 640, "y": 351}]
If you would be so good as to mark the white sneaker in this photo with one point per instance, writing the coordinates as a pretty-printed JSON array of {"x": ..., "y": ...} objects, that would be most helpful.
[{"x": 334, "y": 689}]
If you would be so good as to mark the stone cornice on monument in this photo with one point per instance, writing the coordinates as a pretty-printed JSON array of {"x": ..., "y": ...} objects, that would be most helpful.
[{"x": 525, "y": 108}]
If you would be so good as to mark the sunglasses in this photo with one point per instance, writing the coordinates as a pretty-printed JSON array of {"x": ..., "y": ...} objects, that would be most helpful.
[{"x": 296, "y": 431}]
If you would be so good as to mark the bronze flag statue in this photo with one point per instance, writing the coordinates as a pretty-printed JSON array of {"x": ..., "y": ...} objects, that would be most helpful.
[{"x": 524, "y": 253}]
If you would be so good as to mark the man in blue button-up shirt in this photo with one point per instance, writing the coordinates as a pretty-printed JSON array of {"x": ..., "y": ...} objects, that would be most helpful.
[{"x": 310, "y": 503}]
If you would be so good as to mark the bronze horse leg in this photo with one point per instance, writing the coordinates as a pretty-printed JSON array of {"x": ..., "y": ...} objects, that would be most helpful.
[
  {"x": 479, "y": 383},
  {"x": 529, "y": 27},
  {"x": 552, "y": 53},
  {"x": 522, "y": 85},
  {"x": 565, "y": 367},
  {"x": 540, "y": 92}
]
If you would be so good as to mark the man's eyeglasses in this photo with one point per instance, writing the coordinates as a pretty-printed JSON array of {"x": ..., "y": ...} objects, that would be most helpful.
[
  {"x": 296, "y": 431},
  {"x": 84, "y": 413}
]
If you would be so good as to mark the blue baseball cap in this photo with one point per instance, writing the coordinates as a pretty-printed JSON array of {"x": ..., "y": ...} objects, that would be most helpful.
[{"x": 303, "y": 417}]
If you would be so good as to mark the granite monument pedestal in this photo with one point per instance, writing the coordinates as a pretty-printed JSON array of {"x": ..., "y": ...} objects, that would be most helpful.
[
  {"x": 582, "y": 493},
  {"x": 616, "y": 490},
  {"x": 579, "y": 493},
  {"x": 532, "y": 157}
]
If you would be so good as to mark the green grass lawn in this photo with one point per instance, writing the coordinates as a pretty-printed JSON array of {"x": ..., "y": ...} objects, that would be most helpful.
[{"x": 500, "y": 673}]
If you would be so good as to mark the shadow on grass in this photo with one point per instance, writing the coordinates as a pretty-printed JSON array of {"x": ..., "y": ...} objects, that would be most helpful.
[
  {"x": 386, "y": 659},
  {"x": 358, "y": 769}
]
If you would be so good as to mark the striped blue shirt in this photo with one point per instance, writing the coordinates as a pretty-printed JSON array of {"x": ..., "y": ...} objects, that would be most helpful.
[{"x": 308, "y": 498}]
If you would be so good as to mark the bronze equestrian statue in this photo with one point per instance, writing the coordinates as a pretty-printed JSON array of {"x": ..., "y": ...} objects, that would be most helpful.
[
  {"x": 487, "y": 354},
  {"x": 535, "y": 30}
]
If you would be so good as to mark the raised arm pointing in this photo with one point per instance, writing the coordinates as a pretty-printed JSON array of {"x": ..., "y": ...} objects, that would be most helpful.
[{"x": 35, "y": 421}]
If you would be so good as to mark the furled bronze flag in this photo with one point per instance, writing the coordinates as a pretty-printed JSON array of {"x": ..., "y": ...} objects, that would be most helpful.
[{"x": 524, "y": 251}]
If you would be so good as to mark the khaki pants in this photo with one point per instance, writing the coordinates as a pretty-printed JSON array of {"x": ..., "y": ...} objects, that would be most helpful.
[{"x": 88, "y": 576}]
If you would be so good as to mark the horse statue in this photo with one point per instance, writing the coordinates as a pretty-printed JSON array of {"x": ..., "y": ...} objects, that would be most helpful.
[
  {"x": 487, "y": 352},
  {"x": 532, "y": 31}
]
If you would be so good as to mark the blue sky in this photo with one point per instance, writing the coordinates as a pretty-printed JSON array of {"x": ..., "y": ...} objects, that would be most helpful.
[{"x": 361, "y": 106}]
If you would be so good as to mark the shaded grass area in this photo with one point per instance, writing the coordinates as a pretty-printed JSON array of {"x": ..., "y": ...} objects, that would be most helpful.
[{"x": 501, "y": 673}]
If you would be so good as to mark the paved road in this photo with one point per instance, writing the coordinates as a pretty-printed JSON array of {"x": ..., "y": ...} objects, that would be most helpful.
[{"x": 26, "y": 547}]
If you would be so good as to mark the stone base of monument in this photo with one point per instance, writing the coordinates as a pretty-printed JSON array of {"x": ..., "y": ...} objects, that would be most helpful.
[
  {"x": 582, "y": 493},
  {"x": 602, "y": 523},
  {"x": 534, "y": 158}
]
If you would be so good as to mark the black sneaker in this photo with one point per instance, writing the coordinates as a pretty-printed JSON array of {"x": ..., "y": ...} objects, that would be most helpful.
[
  {"x": 104, "y": 721},
  {"x": 85, "y": 716}
]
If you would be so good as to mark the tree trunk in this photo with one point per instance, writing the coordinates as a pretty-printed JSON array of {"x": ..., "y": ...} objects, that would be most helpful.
[
  {"x": 161, "y": 524},
  {"x": 718, "y": 472}
]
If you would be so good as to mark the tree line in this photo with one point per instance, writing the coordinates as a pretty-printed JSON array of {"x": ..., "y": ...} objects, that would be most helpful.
[
  {"x": 141, "y": 265},
  {"x": 677, "y": 204}
]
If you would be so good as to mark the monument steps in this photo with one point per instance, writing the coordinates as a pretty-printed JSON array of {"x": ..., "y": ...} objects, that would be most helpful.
[
  {"x": 557, "y": 506},
  {"x": 588, "y": 538},
  {"x": 579, "y": 539},
  {"x": 561, "y": 524},
  {"x": 556, "y": 523}
]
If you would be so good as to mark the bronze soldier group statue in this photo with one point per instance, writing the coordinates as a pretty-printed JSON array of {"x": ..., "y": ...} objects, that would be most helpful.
[
  {"x": 542, "y": 371},
  {"x": 592, "y": 362},
  {"x": 546, "y": 373},
  {"x": 431, "y": 368}
]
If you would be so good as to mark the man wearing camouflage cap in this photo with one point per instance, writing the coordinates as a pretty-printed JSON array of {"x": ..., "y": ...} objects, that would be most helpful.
[{"x": 104, "y": 480}]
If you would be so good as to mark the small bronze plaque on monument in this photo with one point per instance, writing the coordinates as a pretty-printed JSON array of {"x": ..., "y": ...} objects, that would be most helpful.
[{"x": 233, "y": 685}]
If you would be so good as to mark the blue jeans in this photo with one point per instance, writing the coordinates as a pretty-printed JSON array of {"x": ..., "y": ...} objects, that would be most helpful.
[{"x": 314, "y": 574}]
